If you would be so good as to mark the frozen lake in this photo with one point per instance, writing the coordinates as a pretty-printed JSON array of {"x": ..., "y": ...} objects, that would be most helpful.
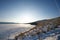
[{"x": 8, "y": 31}]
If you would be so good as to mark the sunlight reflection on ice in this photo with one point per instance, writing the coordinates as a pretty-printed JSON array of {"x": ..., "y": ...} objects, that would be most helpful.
[{"x": 29, "y": 26}]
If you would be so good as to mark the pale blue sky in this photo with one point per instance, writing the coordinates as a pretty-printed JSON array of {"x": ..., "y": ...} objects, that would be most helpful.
[{"x": 23, "y": 11}]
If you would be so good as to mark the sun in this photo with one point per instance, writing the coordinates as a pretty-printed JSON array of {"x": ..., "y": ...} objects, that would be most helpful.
[{"x": 26, "y": 18}]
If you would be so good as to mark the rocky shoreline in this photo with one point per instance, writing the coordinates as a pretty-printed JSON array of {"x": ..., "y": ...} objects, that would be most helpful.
[{"x": 42, "y": 27}]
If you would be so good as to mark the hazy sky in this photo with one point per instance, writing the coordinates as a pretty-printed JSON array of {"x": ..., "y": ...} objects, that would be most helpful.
[{"x": 23, "y": 11}]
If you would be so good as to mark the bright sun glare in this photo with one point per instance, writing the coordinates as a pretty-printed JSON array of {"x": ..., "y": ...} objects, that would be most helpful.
[
  {"x": 26, "y": 18},
  {"x": 27, "y": 15}
]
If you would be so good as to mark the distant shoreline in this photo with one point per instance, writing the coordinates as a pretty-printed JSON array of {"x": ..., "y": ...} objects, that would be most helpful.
[{"x": 8, "y": 23}]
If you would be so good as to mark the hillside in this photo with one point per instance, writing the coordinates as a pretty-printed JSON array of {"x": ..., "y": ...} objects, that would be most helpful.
[{"x": 42, "y": 27}]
